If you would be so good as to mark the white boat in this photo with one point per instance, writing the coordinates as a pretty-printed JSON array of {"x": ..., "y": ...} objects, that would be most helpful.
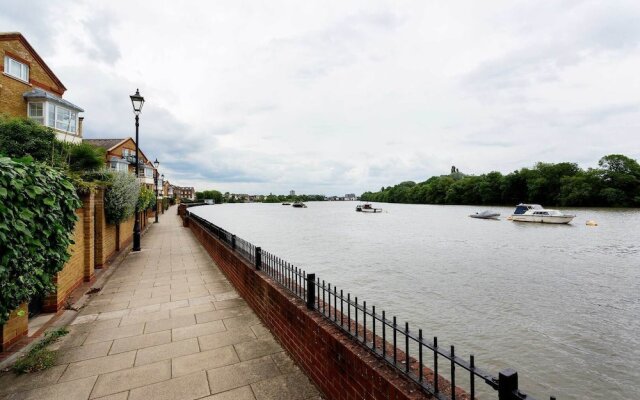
[
  {"x": 486, "y": 215},
  {"x": 367, "y": 208},
  {"x": 536, "y": 213},
  {"x": 299, "y": 204}
]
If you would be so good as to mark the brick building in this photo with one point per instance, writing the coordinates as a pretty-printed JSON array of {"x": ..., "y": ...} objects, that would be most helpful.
[
  {"x": 121, "y": 156},
  {"x": 28, "y": 88},
  {"x": 184, "y": 192}
]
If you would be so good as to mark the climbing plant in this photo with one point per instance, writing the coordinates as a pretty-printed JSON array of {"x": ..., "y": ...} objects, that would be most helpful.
[
  {"x": 37, "y": 218},
  {"x": 120, "y": 197}
]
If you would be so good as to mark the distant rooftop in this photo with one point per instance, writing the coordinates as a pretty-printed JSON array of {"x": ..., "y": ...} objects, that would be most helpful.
[{"x": 104, "y": 143}]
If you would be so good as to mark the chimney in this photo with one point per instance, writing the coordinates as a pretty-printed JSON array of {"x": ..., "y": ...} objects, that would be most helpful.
[{"x": 80, "y": 121}]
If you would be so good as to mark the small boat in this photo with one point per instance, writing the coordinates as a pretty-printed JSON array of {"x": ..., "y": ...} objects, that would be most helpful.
[
  {"x": 298, "y": 204},
  {"x": 367, "y": 208},
  {"x": 486, "y": 215},
  {"x": 286, "y": 204},
  {"x": 536, "y": 213}
]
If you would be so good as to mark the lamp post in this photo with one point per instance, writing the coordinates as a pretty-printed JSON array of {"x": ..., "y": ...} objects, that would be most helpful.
[
  {"x": 137, "y": 101},
  {"x": 162, "y": 191},
  {"x": 156, "y": 164}
]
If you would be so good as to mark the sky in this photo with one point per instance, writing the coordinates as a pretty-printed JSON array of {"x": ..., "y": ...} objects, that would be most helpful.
[{"x": 335, "y": 97}]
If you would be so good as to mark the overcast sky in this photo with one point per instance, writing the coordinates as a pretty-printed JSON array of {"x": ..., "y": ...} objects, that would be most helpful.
[{"x": 336, "y": 97}]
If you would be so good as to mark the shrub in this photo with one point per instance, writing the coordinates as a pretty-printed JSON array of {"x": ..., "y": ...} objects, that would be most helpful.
[
  {"x": 120, "y": 197},
  {"x": 20, "y": 137},
  {"x": 147, "y": 199},
  {"x": 86, "y": 157},
  {"x": 37, "y": 217}
]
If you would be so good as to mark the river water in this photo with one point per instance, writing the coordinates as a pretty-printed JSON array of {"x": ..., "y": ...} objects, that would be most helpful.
[{"x": 560, "y": 304}]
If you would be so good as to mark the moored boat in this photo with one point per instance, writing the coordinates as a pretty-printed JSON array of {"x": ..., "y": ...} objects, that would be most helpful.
[
  {"x": 367, "y": 208},
  {"x": 286, "y": 204},
  {"x": 536, "y": 213},
  {"x": 486, "y": 215},
  {"x": 299, "y": 204}
]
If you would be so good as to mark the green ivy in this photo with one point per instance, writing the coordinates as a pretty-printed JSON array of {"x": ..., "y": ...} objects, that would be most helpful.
[
  {"x": 37, "y": 218},
  {"x": 120, "y": 197}
]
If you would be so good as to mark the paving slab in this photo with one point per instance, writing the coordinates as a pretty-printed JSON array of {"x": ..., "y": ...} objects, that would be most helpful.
[
  {"x": 241, "y": 374},
  {"x": 74, "y": 390},
  {"x": 127, "y": 379},
  {"x": 188, "y": 387},
  {"x": 149, "y": 355},
  {"x": 204, "y": 360},
  {"x": 140, "y": 342}
]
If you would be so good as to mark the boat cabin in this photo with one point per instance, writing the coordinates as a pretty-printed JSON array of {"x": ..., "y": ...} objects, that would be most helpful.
[{"x": 523, "y": 208}]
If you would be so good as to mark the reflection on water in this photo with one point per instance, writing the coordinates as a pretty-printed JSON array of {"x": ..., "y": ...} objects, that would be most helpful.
[{"x": 559, "y": 303}]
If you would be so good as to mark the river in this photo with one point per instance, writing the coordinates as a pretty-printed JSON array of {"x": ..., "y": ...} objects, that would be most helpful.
[{"x": 558, "y": 303}]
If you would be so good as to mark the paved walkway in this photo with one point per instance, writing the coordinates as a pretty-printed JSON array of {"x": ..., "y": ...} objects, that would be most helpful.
[{"x": 166, "y": 325}]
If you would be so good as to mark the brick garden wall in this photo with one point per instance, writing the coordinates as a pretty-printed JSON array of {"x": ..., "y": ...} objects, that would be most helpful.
[
  {"x": 16, "y": 327},
  {"x": 340, "y": 367}
]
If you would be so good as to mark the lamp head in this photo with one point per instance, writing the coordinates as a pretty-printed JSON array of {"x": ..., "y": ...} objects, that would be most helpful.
[{"x": 137, "y": 101}]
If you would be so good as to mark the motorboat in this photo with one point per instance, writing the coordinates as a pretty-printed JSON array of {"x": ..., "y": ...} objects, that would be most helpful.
[
  {"x": 286, "y": 204},
  {"x": 299, "y": 204},
  {"x": 486, "y": 215},
  {"x": 536, "y": 213},
  {"x": 367, "y": 208}
]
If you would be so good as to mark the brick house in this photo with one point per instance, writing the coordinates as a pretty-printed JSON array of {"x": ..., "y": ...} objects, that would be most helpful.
[
  {"x": 184, "y": 192},
  {"x": 121, "y": 156},
  {"x": 28, "y": 88}
]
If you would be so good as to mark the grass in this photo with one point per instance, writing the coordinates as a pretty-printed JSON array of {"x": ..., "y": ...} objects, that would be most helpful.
[{"x": 39, "y": 357}]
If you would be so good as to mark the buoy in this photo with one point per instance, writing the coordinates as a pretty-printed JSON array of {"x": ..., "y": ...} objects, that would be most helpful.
[
  {"x": 592, "y": 223},
  {"x": 509, "y": 218}
]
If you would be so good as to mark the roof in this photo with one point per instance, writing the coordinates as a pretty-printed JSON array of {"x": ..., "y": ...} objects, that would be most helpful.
[
  {"x": 18, "y": 36},
  {"x": 111, "y": 144},
  {"x": 105, "y": 143},
  {"x": 43, "y": 94}
]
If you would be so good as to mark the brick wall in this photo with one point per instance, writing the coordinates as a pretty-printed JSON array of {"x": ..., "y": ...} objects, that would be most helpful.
[
  {"x": 126, "y": 232},
  {"x": 72, "y": 274},
  {"x": 340, "y": 367},
  {"x": 16, "y": 327}
]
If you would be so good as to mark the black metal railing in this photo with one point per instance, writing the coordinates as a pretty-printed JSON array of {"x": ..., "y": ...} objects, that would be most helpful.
[{"x": 433, "y": 367}]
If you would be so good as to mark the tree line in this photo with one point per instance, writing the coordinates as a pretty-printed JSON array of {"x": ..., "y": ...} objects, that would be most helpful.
[{"x": 614, "y": 183}]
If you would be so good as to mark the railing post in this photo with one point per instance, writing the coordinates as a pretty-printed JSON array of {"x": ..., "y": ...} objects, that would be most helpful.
[
  {"x": 311, "y": 290},
  {"x": 258, "y": 258},
  {"x": 507, "y": 384},
  {"x": 233, "y": 242}
]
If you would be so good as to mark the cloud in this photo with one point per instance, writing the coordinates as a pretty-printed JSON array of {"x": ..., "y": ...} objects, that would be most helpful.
[{"x": 339, "y": 97}]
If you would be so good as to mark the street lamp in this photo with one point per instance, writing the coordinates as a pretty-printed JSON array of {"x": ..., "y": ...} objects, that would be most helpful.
[
  {"x": 137, "y": 102},
  {"x": 156, "y": 164}
]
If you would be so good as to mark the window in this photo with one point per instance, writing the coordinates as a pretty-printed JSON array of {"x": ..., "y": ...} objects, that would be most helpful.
[
  {"x": 65, "y": 120},
  {"x": 119, "y": 166},
  {"x": 148, "y": 172},
  {"x": 16, "y": 69},
  {"x": 36, "y": 112}
]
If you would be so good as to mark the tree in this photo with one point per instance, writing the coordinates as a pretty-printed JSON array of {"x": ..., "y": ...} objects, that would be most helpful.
[{"x": 120, "y": 197}]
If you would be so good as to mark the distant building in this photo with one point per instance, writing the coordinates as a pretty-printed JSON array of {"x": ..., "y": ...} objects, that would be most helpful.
[
  {"x": 184, "y": 192},
  {"x": 28, "y": 88},
  {"x": 350, "y": 197},
  {"x": 292, "y": 193}
]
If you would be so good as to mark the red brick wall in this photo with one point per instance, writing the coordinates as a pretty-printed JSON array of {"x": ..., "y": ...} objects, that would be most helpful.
[{"x": 340, "y": 367}]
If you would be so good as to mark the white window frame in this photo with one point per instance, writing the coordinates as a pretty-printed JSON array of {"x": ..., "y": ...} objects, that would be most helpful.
[
  {"x": 38, "y": 118},
  {"x": 22, "y": 74}
]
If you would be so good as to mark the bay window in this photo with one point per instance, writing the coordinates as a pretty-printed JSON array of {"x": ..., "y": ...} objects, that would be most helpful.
[{"x": 54, "y": 116}]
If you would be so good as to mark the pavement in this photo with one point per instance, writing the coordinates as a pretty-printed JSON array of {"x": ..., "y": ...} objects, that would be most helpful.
[{"x": 166, "y": 325}]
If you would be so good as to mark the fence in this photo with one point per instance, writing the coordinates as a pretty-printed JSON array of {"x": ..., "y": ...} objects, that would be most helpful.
[{"x": 404, "y": 349}]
